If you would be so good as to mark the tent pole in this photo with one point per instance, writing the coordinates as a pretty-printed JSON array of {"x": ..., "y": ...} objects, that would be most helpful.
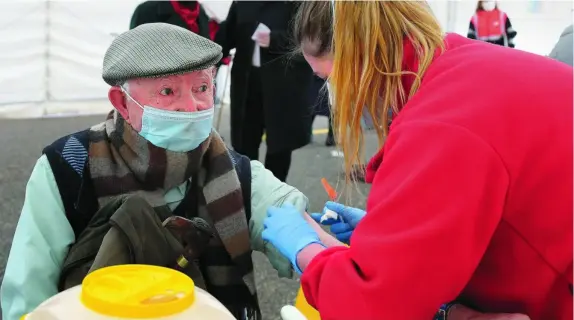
[{"x": 47, "y": 54}]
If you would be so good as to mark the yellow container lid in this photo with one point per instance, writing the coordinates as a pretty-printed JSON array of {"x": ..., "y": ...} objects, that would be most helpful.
[{"x": 137, "y": 291}]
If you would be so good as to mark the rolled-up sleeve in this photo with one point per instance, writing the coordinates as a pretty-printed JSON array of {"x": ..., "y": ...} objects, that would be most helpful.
[
  {"x": 39, "y": 247},
  {"x": 267, "y": 191}
]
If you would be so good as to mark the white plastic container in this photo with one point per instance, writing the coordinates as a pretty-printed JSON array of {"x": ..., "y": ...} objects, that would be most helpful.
[{"x": 132, "y": 292}]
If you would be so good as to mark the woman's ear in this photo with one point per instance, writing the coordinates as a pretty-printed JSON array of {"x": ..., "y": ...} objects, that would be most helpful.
[{"x": 118, "y": 100}]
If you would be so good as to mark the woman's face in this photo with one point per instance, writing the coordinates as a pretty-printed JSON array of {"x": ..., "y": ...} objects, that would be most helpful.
[{"x": 322, "y": 65}]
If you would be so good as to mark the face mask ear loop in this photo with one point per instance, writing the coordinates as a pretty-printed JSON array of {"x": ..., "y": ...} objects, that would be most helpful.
[{"x": 129, "y": 96}]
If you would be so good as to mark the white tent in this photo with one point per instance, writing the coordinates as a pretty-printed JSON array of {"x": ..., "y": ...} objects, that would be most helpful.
[{"x": 52, "y": 51}]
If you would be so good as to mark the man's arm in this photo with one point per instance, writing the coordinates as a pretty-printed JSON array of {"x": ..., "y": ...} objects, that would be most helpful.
[
  {"x": 510, "y": 32},
  {"x": 267, "y": 191},
  {"x": 471, "y": 34},
  {"x": 39, "y": 246}
]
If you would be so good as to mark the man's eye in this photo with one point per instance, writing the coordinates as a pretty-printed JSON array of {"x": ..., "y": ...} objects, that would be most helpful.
[
  {"x": 166, "y": 91},
  {"x": 203, "y": 88}
]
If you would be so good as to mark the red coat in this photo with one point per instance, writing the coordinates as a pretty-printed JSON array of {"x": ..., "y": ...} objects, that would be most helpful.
[{"x": 473, "y": 200}]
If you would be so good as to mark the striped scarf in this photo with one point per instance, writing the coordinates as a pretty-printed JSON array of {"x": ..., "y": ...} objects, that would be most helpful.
[{"x": 122, "y": 162}]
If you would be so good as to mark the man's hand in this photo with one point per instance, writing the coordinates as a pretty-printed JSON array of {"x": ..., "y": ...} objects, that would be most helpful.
[
  {"x": 460, "y": 312},
  {"x": 263, "y": 39}
]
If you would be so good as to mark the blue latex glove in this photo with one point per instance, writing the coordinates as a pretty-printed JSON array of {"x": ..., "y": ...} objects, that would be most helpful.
[
  {"x": 348, "y": 220},
  {"x": 288, "y": 231}
]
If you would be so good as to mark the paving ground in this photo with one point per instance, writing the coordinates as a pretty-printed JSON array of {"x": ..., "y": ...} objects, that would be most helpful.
[{"x": 22, "y": 141}]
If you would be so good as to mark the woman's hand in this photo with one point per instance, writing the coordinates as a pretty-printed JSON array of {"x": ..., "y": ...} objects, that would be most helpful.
[
  {"x": 346, "y": 223},
  {"x": 288, "y": 231}
]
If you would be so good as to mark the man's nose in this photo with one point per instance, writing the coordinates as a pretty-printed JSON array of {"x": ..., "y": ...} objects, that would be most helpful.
[{"x": 189, "y": 106}]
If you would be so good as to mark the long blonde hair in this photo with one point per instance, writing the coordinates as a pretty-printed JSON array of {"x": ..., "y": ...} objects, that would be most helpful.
[{"x": 367, "y": 45}]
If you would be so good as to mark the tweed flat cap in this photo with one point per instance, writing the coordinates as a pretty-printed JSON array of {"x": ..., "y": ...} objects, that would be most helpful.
[{"x": 155, "y": 50}]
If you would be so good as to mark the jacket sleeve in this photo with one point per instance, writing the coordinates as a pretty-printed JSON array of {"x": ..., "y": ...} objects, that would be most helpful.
[
  {"x": 435, "y": 203},
  {"x": 510, "y": 33},
  {"x": 39, "y": 247},
  {"x": 266, "y": 191},
  {"x": 471, "y": 34},
  {"x": 225, "y": 36}
]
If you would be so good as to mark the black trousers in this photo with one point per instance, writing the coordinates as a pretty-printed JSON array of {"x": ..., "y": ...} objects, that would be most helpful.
[{"x": 254, "y": 127}]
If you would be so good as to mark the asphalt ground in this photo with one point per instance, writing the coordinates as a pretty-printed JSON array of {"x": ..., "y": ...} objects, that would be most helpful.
[{"x": 21, "y": 143}]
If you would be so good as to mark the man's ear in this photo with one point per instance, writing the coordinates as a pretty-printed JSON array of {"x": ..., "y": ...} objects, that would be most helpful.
[{"x": 118, "y": 100}]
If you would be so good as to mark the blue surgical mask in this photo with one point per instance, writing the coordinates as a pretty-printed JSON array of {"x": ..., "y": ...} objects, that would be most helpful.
[{"x": 175, "y": 130}]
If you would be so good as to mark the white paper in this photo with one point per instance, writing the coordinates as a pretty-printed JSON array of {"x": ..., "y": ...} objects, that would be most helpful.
[
  {"x": 329, "y": 214},
  {"x": 261, "y": 28}
]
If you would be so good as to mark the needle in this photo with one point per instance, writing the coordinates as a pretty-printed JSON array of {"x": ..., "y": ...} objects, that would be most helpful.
[
  {"x": 330, "y": 191},
  {"x": 329, "y": 214}
]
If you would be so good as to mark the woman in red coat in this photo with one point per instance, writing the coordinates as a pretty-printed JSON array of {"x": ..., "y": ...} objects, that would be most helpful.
[
  {"x": 491, "y": 24},
  {"x": 472, "y": 201}
]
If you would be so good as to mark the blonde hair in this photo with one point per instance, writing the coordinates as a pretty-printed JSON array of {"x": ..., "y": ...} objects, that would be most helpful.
[{"x": 367, "y": 46}]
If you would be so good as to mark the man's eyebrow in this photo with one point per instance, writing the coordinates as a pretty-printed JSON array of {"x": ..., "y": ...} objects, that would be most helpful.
[{"x": 169, "y": 79}]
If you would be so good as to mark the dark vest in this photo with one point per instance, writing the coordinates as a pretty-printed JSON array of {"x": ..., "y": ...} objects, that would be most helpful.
[{"x": 68, "y": 157}]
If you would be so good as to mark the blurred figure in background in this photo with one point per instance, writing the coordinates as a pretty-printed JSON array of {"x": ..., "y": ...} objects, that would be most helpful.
[
  {"x": 269, "y": 86},
  {"x": 563, "y": 49},
  {"x": 491, "y": 24},
  {"x": 185, "y": 14}
]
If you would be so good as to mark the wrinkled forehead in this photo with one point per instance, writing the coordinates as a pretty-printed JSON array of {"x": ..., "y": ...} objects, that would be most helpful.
[{"x": 186, "y": 79}]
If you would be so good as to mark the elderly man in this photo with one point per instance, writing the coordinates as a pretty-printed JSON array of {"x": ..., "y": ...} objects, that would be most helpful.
[{"x": 156, "y": 152}]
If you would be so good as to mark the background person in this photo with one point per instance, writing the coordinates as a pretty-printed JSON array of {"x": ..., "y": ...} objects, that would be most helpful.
[
  {"x": 491, "y": 24},
  {"x": 269, "y": 87},
  {"x": 186, "y": 14}
]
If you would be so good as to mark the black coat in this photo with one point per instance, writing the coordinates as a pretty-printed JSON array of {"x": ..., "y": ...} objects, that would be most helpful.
[
  {"x": 162, "y": 11},
  {"x": 286, "y": 78}
]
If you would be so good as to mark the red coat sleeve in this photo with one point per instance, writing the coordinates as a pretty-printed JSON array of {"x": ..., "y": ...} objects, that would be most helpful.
[{"x": 434, "y": 205}]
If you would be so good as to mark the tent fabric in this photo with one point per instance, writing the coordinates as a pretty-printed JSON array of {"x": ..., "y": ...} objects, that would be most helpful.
[{"x": 53, "y": 50}]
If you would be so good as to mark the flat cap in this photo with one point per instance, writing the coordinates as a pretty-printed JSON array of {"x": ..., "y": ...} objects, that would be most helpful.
[{"x": 155, "y": 50}]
